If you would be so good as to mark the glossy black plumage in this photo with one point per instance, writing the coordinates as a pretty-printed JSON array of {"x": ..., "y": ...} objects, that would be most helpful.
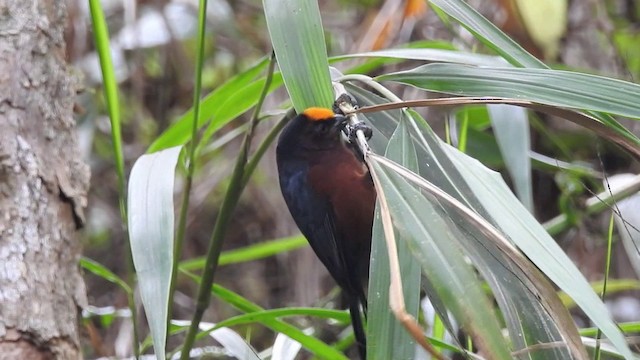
[{"x": 330, "y": 195}]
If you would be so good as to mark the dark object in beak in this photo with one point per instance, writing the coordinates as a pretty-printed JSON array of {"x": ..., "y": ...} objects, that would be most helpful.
[
  {"x": 342, "y": 99},
  {"x": 341, "y": 122}
]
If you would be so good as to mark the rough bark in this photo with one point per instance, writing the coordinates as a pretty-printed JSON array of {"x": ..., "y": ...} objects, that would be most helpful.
[{"x": 43, "y": 184}]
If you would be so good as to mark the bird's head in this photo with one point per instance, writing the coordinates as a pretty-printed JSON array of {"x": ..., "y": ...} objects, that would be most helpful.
[
  {"x": 315, "y": 128},
  {"x": 322, "y": 123}
]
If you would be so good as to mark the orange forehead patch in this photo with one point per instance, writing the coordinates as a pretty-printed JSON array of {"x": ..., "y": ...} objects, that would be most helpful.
[{"x": 318, "y": 113}]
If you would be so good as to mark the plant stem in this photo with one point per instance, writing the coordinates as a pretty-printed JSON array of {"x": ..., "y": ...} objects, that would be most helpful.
[
  {"x": 220, "y": 228},
  {"x": 262, "y": 148},
  {"x": 191, "y": 163},
  {"x": 607, "y": 266},
  {"x": 101, "y": 36},
  {"x": 594, "y": 205},
  {"x": 464, "y": 129}
]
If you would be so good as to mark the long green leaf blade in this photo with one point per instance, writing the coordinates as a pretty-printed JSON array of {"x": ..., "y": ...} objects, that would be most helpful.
[
  {"x": 100, "y": 270},
  {"x": 312, "y": 344},
  {"x": 532, "y": 310},
  {"x": 250, "y": 253},
  {"x": 552, "y": 87},
  {"x": 237, "y": 103},
  {"x": 295, "y": 28},
  {"x": 386, "y": 337},
  {"x": 101, "y": 35},
  {"x": 179, "y": 132},
  {"x": 435, "y": 55},
  {"x": 529, "y": 321},
  {"x": 511, "y": 129},
  {"x": 494, "y": 38},
  {"x": 488, "y": 33},
  {"x": 151, "y": 231},
  {"x": 436, "y": 247},
  {"x": 537, "y": 244}
]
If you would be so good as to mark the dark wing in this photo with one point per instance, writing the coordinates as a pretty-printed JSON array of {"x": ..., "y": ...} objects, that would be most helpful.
[{"x": 314, "y": 216}]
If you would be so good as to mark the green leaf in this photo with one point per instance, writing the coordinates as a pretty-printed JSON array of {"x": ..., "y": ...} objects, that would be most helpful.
[
  {"x": 386, "y": 337},
  {"x": 263, "y": 315},
  {"x": 530, "y": 306},
  {"x": 179, "y": 132},
  {"x": 102, "y": 41},
  {"x": 511, "y": 129},
  {"x": 150, "y": 212},
  {"x": 551, "y": 87},
  {"x": 310, "y": 343},
  {"x": 250, "y": 253},
  {"x": 536, "y": 244},
  {"x": 491, "y": 36},
  {"x": 627, "y": 328},
  {"x": 429, "y": 234},
  {"x": 435, "y": 55},
  {"x": 240, "y": 303},
  {"x": 100, "y": 270},
  {"x": 295, "y": 29},
  {"x": 488, "y": 33},
  {"x": 532, "y": 310},
  {"x": 237, "y": 103},
  {"x": 613, "y": 286},
  {"x": 376, "y": 62}
]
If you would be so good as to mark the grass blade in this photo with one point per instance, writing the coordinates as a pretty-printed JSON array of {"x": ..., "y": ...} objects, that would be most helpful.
[
  {"x": 101, "y": 271},
  {"x": 250, "y": 253}
]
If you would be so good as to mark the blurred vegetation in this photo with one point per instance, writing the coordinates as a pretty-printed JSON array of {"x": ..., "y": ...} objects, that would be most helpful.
[{"x": 154, "y": 49}]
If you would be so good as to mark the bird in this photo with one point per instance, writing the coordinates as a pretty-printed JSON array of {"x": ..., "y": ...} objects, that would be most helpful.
[{"x": 330, "y": 194}]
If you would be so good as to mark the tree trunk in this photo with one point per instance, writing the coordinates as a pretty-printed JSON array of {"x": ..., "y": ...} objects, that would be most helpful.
[{"x": 43, "y": 185}]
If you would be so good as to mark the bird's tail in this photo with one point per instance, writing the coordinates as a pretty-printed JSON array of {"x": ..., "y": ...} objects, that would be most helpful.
[{"x": 358, "y": 326}]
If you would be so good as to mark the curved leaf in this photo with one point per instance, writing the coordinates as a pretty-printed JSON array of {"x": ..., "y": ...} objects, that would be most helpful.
[
  {"x": 530, "y": 321},
  {"x": 150, "y": 212},
  {"x": 434, "y": 243},
  {"x": 179, "y": 132},
  {"x": 488, "y": 33},
  {"x": 537, "y": 244},
  {"x": 249, "y": 253},
  {"x": 310, "y": 343},
  {"x": 552, "y": 87},
  {"x": 229, "y": 339},
  {"x": 494, "y": 38},
  {"x": 436, "y": 55},
  {"x": 100, "y": 270}
]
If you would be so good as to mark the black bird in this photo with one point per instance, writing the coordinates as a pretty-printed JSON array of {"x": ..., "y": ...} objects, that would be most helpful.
[{"x": 330, "y": 194}]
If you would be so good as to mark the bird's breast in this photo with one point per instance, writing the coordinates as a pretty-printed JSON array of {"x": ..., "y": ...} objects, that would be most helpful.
[{"x": 345, "y": 181}]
